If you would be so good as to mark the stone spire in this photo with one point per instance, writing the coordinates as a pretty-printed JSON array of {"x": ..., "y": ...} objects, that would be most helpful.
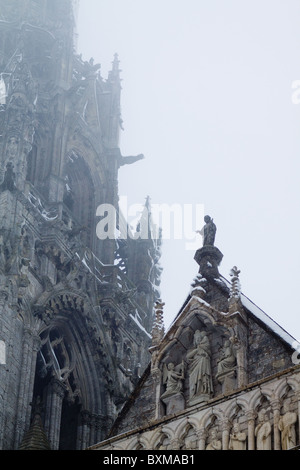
[
  {"x": 114, "y": 74},
  {"x": 114, "y": 88},
  {"x": 234, "y": 301}
]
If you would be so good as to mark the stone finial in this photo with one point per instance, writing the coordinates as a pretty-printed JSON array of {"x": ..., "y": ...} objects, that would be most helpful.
[
  {"x": 158, "y": 329},
  {"x": 235, "y": 291},
  {"x": 114, "y": 74}
]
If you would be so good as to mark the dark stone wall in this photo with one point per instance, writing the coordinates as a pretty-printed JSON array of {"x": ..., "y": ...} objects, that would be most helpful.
[{"x": 267, "y": 355}]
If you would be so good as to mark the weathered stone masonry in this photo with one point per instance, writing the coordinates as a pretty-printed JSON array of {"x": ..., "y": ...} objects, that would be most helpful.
[
  {"x": 75, "y": 317},
  {"x": 221, "y": 378}
]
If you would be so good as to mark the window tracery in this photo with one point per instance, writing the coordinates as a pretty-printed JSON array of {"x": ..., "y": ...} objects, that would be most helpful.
[{"x": 57, "y": 357}]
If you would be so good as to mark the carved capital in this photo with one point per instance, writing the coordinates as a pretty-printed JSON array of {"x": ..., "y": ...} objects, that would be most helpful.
[
  {"x": 225, "y": 425},
  {"x": 251, "y": 415},
  {"x": 85, "y": 417},
  {"x": 175, "y": 444},
  {"x": 201, "y": 433}
]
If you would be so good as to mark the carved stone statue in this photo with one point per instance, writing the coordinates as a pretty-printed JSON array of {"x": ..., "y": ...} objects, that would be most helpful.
[
  {"x": 9, "y": 178},
  {"x": 263, "y": 432},
  {"x": 199, "y": 359},
  {"x": 215, "y": 443},
  {"x": 237, "y": 439},
  {"x": 228, "y": 360},
  {"x": 12, "y": 148},
  {"x": 286, "y": 425},
  {"x": 172, "y": 378},
  {"x": 209, "y": 231}
]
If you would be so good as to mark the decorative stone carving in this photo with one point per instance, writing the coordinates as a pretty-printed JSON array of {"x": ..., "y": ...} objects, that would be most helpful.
[
  {"x": 215, "y": 443},
  {"x": 235, "y": 291},
  {"x": 158, "y": 329},
  {"x": 198, "y": 286},
  {"x": 237, "y": 439},
  {"x": 199, "y": 360},
  {"x": 12, "y": 148},
  {"x": 173, "y": 379},
  {"x": 228, "y": 361},
  {"x": 9, "y": 178},
  {"x": 286, "y": 426},
  {"x": 226, "y": 371},
  {"x": 208, "y": 231},
  {"x": 263, "y": 432}
]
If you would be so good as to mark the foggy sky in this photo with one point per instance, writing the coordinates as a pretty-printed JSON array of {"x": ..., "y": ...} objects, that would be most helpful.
[{"x": 207, "y": 97}]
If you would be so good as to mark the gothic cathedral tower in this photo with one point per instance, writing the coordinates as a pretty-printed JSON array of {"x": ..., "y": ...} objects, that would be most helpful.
[{"x": 75, "y": 315}]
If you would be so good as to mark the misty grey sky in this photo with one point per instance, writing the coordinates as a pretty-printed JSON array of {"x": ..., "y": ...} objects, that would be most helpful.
[{"x": 207, "y": 97}]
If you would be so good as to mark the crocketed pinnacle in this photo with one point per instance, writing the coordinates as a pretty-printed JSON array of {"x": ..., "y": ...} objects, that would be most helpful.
[
  {"x": 158, "y": 329},
  {"x": 35, "y": 438}
]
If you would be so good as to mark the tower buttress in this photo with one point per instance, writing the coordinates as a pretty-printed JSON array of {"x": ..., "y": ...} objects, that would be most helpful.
[{"x": 76, "y": 327}]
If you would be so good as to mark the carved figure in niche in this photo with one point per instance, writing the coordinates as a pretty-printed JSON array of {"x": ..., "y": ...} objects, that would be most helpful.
[
  {"x": 215, "y": 443},
  {"x": 228, "y": 360},
  {"x": 12, "y": 148},
  {"x": 286, "y": 426},
  {"x": 9, "y": 178},
  {"x": 172, "y": 378},
  {"x": 263, "y": 432},
  {"x": 199, "y": 359},
  {"x": 237, "y": 439}
]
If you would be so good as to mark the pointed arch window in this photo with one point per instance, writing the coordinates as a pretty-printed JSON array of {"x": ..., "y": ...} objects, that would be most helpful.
[{"x": 56, "y": 355}]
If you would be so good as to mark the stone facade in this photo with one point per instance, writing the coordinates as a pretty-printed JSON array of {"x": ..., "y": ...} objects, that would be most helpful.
[
  {"x": 223, "y": 377},
  {"x": 76, "y": 311},
  {"x": 264, "y": 416}
]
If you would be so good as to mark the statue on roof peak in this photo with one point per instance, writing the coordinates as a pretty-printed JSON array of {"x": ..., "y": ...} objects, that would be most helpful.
[{"x": 208, "y": 231}]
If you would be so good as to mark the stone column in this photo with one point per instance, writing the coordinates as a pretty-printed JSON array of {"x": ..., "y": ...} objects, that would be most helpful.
[
  {"x": 275, "y": 404},
  {"x": 225, "y": 426},
  {"x": 101, "y": 427},
  {"x": 83, "y": 435},
  {"x": 201, "y": 435},
  {"x": 156, "y": 374},
  {"x": 251, "y": 430},
  {"x": 55, "y": 396},
  {"x": 35, "y": 349},
  {"x": 31, "y": 344},
  {"x": 93, "y": 429}
]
